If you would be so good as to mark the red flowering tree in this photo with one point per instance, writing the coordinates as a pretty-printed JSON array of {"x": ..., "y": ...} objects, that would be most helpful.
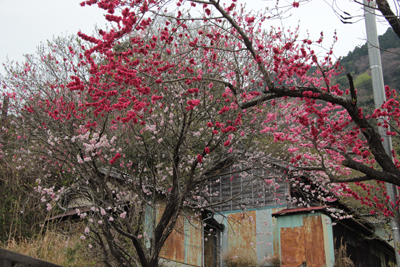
[{"x": 171, "y": 103}]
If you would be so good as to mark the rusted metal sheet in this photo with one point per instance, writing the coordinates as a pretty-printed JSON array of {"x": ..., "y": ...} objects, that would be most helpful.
[
  {"x": 242, "y": 233},
  {"x": 193, "y": 242},
  {"x": 314, "y": 241},
  {"x": 299, "y": 210},
  {"x": 262, "y": 232},
  {"x": 292, "y": 247},
  {"x": 302, "y": 242},
  {"x": 174, "y": 247},
  {"x": 184, "y": 245}
]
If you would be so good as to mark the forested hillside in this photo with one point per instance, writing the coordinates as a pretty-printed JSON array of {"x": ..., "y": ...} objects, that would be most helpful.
[{"x": 357, "y": 63}]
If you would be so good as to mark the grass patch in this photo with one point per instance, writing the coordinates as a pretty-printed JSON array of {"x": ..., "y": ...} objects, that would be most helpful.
[{"x": 55, "y": 247}]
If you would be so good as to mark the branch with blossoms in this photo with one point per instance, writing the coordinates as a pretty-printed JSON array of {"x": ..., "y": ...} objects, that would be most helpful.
[
  {"x": 312, "y": 90},
  {"x": 148, "y": 109}
]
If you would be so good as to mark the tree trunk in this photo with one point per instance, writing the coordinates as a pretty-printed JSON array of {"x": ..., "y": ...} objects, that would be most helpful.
[
  {"x": 153, "y": 262},
  {"x": 393, "y": 19}
]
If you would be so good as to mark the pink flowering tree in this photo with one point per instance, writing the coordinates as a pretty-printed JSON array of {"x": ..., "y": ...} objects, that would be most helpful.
[
  {"x": 169, "y": 98},
  {"x": 146, "y": 131}
]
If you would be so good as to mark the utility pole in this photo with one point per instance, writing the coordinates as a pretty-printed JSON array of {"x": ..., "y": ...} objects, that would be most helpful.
[{"x": 379, "y": 97}]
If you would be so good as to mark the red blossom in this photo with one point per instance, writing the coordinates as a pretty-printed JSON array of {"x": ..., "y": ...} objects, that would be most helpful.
[
  {"x": 194, "y": 102},
  {"x": 223, "y": 110},
  {"x": 249, "y": 20},
  {"x": 114, "y": 159},
  {"x": 193, "y": 91}
]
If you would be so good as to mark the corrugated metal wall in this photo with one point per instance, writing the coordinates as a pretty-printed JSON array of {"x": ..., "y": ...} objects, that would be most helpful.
[
  {"x": 305, "y": 238},
  {"x": 184, "y": 245},
  {"x": 294, "y": 238},
  {"x": 252, "y": 232}
]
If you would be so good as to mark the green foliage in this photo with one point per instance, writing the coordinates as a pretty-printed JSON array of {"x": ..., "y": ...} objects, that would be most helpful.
[
  {"x": 356, "y": 63},
  {"x": 389, "y": 39},
  {"x": 343, "y": 81},
  {"x": 363, "y": 81},
  {"x": 386, "y": 41}
]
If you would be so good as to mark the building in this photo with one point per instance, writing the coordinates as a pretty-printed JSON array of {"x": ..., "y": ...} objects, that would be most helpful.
[
  {"x": 277, "y": 231},
  {"x": 254, "y": 221}
]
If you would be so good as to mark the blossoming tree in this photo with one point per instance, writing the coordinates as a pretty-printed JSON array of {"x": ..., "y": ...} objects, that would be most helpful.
[
  {"x": 170, "y": 99},
  {"x": 166, "y": 139}
]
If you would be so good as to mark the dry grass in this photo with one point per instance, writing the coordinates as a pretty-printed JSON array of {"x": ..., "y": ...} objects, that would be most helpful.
[
  {"x": 240, "y": 258},
  {"x": 273, "y": 260},
  {"x": 341, "y": 257},
  {"x": 54, "y": 247}
]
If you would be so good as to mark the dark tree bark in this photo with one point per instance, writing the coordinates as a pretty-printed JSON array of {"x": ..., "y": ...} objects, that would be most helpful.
[{"x": 393, "y": 19}]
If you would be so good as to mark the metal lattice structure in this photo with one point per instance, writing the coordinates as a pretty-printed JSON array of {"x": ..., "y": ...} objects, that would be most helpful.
[{"x": 256, "y": 188}]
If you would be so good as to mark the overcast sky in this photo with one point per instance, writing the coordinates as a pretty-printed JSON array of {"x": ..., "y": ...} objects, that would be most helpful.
[{"x": 26, "y": 23}]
